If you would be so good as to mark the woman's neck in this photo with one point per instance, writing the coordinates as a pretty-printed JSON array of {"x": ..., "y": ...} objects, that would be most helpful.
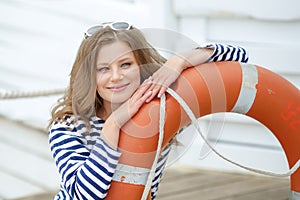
[{"x": 105, "y": 111}]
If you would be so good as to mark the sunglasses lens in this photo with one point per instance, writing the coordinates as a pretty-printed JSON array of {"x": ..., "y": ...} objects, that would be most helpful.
[
  {"x": 93, "y": 29},
  {"x": 120, "y": 25},
  {"x": 115, "y": 26}
]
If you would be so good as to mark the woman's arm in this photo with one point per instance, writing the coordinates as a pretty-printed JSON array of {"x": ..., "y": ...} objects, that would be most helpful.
[
  {"x": 111, "y": 128},
  {"x": 170, "y": 71},
  {"x": 84, "y": 174}
]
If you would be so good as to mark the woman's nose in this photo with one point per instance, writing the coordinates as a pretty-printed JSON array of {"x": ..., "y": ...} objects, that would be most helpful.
[{"x": 116, "y": 74}]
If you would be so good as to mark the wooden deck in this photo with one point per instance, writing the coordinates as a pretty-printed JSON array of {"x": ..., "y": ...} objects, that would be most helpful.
[{"x": 196, "y": 184}]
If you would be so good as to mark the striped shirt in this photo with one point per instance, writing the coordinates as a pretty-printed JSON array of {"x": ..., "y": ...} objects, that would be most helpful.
[{"x": 86, "y": 163}]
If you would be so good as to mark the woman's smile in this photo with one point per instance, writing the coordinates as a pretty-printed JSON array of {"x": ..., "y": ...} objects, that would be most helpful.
[{"x": 118, "y": 88}]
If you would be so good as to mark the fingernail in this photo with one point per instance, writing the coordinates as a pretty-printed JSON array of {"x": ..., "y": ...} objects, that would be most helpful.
[
  {"x": 148, "y": 100},
  {"x": 147, "y": 80}
]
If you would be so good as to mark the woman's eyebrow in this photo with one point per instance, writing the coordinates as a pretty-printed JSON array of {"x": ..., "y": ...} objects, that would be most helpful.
[
  {"x": 122, "y": 59},
  {"x": 102, "y": 64},
  {"x": 119, "y": 60}
]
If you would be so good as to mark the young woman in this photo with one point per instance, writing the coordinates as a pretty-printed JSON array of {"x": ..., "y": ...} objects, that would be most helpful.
[{"x": 115, "y": 72}]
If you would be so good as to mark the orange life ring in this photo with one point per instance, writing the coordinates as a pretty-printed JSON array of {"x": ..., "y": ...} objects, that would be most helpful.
[{"x": 211, "y": 88}]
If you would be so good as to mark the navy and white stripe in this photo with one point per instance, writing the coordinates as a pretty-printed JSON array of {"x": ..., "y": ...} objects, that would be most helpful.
[
  {"x": 86, "y": 163},
  {"x": 227, "y": 53}
]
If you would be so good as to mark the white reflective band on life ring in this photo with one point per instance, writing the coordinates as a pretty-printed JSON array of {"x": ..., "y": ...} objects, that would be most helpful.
[
  {"x": 295, "y": 195},
  {"x": 131, "y": 175},
  {"x": 248, "y": 89}
]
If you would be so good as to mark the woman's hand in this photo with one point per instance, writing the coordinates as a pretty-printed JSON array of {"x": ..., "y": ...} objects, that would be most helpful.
[
  {"x": 166, "y": 75},
  {"x": 174, "y": 66},
  {"x": 113, "y": 124},
  {"x": 128, "y": 109}
]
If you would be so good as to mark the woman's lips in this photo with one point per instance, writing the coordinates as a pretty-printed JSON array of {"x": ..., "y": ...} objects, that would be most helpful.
[{"x": 118, "y": 88}]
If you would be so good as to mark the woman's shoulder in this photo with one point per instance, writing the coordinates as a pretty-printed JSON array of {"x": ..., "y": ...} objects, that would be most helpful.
[
  {"x": 72, "y": 123},
  {"x": 66, "y": 121}
]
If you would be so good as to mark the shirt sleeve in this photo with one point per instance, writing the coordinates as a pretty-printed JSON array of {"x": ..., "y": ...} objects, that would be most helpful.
[
  {"x": 224, "y": 52},
  {"x": 84, "y": 174}
]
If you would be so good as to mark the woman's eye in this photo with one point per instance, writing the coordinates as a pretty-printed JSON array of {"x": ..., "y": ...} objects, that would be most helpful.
[
  {"x": 125, "y": 65},
  {"x": 102, "y": 69}
]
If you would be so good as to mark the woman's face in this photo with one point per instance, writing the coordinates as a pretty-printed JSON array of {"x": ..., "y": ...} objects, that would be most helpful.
[{"x": 118, "y": 73}]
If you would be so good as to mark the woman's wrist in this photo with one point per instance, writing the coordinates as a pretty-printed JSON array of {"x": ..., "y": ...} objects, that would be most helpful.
[
  {"x": 110, "y": 133},
  {"x": 204, "y": 54},
  {"x": 196, "y": 57},
  {"x": 177, "y": 63}
]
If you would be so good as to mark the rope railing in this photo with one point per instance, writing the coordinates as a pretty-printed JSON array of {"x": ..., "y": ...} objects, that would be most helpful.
[{"x": 10, "y": 94}]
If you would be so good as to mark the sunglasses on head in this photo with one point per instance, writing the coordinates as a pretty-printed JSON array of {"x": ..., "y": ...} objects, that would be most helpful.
[{"x": 113, "y": 25}]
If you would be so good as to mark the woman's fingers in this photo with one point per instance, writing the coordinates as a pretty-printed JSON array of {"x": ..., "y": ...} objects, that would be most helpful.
[
  {"x": 154, "y": 91},
  {"x": 144, "y": 98},
  {"x": 130, "y": 107},
  {"x": 141, "y": 95},
  {"x": 142, "y": 89},
  {"x": 157, "y": 91},
  {"x": 161, "y": 80}
]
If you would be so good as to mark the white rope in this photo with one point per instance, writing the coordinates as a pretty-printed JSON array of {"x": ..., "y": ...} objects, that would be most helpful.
[
  {"x": 196, "y": 125},
  {"x": 162, "y": 112},
  {"x": 4, "y": 94}
]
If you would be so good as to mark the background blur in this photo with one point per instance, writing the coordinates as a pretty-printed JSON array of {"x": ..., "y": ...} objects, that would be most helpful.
[{"x": 38, "y": 43}]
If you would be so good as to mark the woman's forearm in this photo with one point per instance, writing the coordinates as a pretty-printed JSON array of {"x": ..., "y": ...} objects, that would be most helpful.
[
  {"x": 208, "y": 53},
  {"x": 110, "y": 133}
]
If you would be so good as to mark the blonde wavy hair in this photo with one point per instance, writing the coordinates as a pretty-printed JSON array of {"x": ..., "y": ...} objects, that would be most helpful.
[{"x": 82, "y": 99}]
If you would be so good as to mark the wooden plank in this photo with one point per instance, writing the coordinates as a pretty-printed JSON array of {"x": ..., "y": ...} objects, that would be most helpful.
[
  {"x": 27, "y": 166},
  {"x": 25, "y": 138},
  {"x": 189, "y": 182},
  {"x": 246, "y": 186},
  {"x": 249, "y": 30},
  {"x": 198, "y": 184},
  {"x": 281, "y": 10},
  {"x": 25, "y": 161},
  {"x": 42, "y": 196},
  {"x": 227, "y": 126},
  {"x": 13, "y": 187},
  {"x": 254, "y": 157},
  {"x": 280, "y": 193}
]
